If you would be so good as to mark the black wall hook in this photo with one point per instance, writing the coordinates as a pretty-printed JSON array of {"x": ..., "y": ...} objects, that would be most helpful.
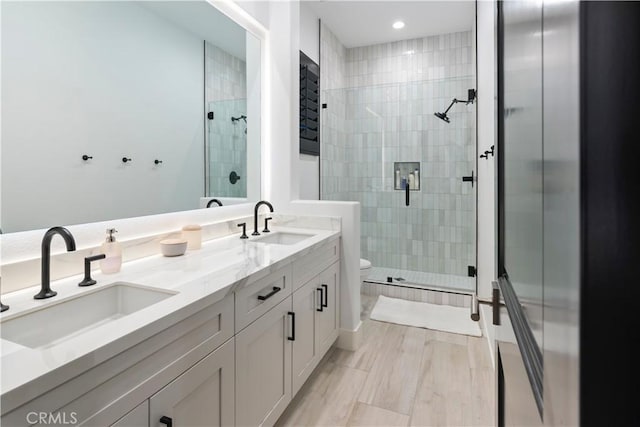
[
  {"x": 125, "y": 159},
  {"x": 157, "y": 162},
  {"x": 85, "y": 157}
]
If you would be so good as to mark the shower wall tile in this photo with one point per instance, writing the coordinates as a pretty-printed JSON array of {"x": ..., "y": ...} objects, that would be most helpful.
[{"x": 226, "y": 97}]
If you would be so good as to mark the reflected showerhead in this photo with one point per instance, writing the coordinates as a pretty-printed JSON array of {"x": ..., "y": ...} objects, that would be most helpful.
[{"x": 442, "y": 116}]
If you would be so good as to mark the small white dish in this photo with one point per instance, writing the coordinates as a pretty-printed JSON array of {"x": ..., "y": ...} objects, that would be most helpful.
[{"x": 173, "y": 247}]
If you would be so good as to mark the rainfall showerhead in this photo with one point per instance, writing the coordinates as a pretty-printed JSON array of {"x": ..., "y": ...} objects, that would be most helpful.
[{"x": 442, "y": 116}]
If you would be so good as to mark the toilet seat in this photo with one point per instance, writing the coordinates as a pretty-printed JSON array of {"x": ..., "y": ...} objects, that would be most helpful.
[{"x": 365, "y": 264}]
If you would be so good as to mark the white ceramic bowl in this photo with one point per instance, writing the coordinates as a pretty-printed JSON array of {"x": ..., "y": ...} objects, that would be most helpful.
[{"x": 173, "y": 247}]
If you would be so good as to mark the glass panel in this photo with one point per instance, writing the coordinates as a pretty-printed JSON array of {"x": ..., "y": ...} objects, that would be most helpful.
[
  {"x": 522, "y": 156},
  {"x": 431, "y": 242}
]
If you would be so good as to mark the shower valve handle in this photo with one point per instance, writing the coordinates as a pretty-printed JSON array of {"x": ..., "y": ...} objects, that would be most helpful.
[
  {"x": 470, "y": 179},
  {"x": 407, "y": 199}
]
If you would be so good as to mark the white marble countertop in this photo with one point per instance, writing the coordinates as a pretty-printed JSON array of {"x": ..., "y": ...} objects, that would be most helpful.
[{"x": 200, "y": 278}]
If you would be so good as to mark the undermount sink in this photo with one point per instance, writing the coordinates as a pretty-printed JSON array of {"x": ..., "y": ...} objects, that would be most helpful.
[
  {"x": 68, "y": 318},
  {"x": 282, "y": 238}
]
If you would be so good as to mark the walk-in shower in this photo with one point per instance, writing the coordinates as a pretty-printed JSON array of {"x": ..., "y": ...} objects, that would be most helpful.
[{"x": 381, "y": 145}]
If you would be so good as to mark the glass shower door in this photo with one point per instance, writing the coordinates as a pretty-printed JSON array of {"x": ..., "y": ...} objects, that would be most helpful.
[
  {"x": 441, "y": 228},
  {"x": 429, "y": 239},
  {"x": 378, "y": 139}
]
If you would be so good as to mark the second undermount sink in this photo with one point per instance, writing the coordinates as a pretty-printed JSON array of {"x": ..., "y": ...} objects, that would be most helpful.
[
  {"x": 282, "y": 238},
  {"x": 60, "y": 321}
]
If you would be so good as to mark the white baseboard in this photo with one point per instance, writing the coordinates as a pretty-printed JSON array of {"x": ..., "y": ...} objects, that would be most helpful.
[{"x": 350, "y": 340}]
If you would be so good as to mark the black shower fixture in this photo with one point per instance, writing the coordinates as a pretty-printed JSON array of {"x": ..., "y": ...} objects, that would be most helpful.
[{"x": 471, "y": 97}]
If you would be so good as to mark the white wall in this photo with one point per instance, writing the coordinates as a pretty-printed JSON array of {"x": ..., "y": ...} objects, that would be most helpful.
[
  {"x": 310, "y": 45},
  {"x": 486, "y": 138},
  {"x": 309, "y": 32},
  {"x": 282, "y": 154},
  {"x": 115, "y": 92}
]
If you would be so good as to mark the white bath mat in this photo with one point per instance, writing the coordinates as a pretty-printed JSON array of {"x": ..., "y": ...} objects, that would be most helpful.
[{"x": 444, "y": 318}]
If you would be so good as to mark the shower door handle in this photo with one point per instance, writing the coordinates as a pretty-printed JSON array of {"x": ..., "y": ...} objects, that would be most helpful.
[
  {"x": 470, "y": 179},
  {"x": 407, "y": 200}
]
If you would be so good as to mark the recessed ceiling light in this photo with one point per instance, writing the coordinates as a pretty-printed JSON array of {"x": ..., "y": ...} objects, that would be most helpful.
[{"x": 398, "y": 25}]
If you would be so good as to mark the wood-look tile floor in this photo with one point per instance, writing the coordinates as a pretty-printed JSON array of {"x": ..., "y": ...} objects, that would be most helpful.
[{"x": 400, "y": 376}]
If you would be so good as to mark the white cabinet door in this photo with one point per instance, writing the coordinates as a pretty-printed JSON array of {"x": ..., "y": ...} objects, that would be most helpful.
[
  {"x": 139, "y": 417},
  {"x": 263, "y": 367},
  {"x": 304, "y": 359},
  {"x": 202, "y": 396},
  {"x": 327, "y": 320}
]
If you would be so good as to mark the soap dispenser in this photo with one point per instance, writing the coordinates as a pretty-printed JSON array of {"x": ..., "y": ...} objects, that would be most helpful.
[{"x": 113, "y": 254}]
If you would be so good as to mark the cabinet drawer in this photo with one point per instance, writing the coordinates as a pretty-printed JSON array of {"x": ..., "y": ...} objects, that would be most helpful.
[
  {"x": 255, "y": 299},
  {"x": 314, "y": 263},
  {"x": 202, "y": 396}
]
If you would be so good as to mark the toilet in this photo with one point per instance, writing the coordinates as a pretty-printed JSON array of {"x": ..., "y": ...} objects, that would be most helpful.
[{"x": 365, "y": 269}]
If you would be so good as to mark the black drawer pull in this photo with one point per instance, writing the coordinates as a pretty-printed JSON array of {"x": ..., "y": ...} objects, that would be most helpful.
[
  {"x": 293, "y": 326},
  {"x": 270, "y": 294},
  {"x": 166, "y": 421},
  {"x": 321, "y": 299},
  {"x": 325, "y": 303}
]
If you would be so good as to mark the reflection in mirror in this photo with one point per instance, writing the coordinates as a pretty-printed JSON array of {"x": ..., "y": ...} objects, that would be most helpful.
[{"x": 106, "y": 110}]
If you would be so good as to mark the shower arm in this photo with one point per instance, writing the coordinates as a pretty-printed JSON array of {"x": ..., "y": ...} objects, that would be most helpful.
[
  {"x": 451, "y": 105},
  {"x": 455, "y": 101}
]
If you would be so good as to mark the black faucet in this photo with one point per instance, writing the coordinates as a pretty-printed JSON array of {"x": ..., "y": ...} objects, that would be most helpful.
[
  {"x": 45, "y": 285},
  {"x": 255, "y": 215},
  {"x": 212, "y": 201}
]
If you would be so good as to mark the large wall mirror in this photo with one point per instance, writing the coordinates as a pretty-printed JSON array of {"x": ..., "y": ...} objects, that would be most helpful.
[{"x": 123, "y": 109}]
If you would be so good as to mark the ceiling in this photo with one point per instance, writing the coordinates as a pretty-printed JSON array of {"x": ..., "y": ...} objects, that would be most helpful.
[{"x": 363, "y": 23}]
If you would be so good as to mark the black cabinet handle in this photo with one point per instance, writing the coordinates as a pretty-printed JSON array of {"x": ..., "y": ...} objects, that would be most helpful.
[
  {"x": 293, "y": 326},
  {"x": 407, "y": 200},
  {"x": 325, "y": 303},
  {"x": 166, "y": 421},
  {"x": 321, "y": 299},
  {"x": 270, "y": 294}
]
